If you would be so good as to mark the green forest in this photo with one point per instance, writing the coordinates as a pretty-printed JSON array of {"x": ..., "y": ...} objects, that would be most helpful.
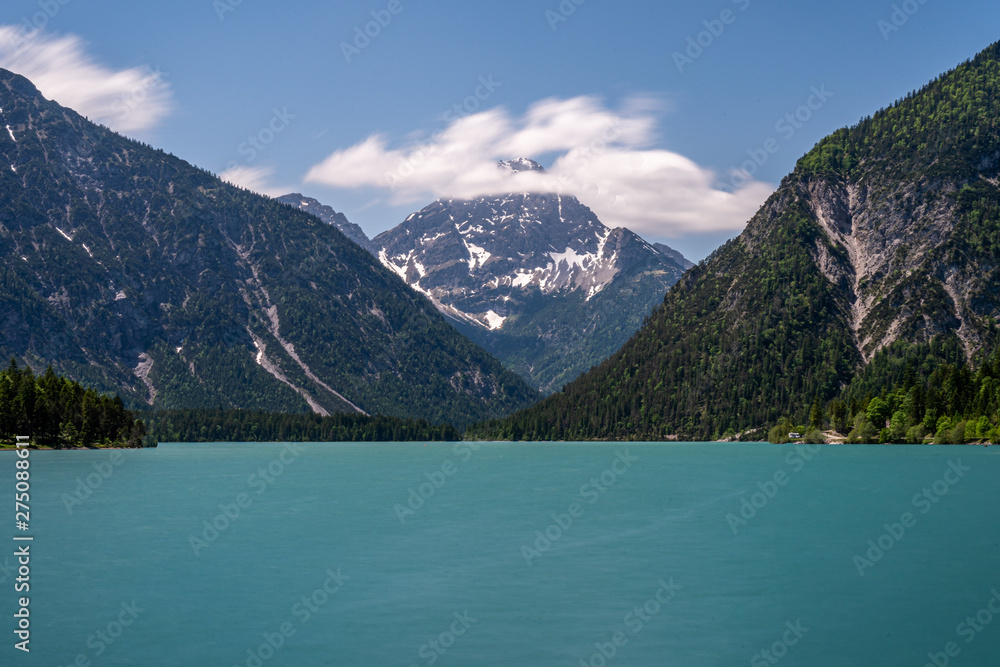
[
  {"x": 911, "y": 394},
  {"x": 249, "y": 426},
  {"x": 907, "y": 394},
  {"x": 58, "y": 413}
]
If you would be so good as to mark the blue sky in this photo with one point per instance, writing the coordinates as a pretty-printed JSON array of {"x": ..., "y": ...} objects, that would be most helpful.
[{"x": 211, "y": 74}]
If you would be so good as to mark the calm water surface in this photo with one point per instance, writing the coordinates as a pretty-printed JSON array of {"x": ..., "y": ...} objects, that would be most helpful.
[{"x": 334, "y": 560}]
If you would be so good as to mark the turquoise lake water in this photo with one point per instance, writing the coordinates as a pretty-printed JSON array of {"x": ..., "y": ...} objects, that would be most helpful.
[{"x": 324, "y": 561}]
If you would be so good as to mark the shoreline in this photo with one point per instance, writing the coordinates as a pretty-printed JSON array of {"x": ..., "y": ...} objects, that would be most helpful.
[
  {"x": 829, "y": 443},
  {"x": 6, "y": 447}
]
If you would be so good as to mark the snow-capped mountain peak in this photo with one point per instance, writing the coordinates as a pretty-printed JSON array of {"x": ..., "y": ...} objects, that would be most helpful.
[
  {"x": 519, "y": 164},
  {"x": 537, "y": 279},
  {"x": 503, "y": 245}
]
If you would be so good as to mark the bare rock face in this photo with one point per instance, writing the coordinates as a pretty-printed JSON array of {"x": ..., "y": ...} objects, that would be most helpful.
[
  {"x": 532, "y": 271},
  {"x": 887, "y": 253}
]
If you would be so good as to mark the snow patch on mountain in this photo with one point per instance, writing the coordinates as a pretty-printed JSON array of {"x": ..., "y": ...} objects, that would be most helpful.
[
  {"x": 477, "y": 256},
  {"x": 494, "y": 321},
  {"x": 398, "y": 269},
  {"x": 522, "y": 278},
  {"x": 431, "y": 239},
  {"x": 519, "y": 164}
]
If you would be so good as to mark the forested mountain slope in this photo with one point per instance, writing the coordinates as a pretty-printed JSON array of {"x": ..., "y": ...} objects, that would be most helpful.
[
  {"x": 131, "y": 271},
  {"x": 886, "y": 231}
]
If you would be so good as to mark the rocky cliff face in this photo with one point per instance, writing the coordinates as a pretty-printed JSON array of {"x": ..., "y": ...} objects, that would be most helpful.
[
  {"x": 537, "y": 279},
  {"x": 885, "y": 251},
  {"x": 134, "y": 272}
]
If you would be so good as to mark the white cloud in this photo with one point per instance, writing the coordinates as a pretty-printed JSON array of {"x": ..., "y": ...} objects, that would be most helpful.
[
  {"x": 603, "y": 157},
  {"x": 127, "y": 101},
  {"x": 256, "y": 179}
]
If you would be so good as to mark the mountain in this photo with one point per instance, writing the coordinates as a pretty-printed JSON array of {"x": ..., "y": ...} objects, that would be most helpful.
[
  {"x": 886, "y": 232},
  {"x": 674, "y": 255},
  {"x": 133, "y": 272},
  {"x": 518, "y": 165},
  {"x": 536, "y": 279},
  {"x": 330, "y": 217}
]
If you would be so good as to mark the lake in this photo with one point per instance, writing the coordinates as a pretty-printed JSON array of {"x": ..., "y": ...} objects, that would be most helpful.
[{"x": 510, "y": 554}]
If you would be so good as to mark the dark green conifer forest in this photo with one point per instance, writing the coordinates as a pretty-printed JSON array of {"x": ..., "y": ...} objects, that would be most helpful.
[
  {"x": 911, "y": 394},
  {"x": 249, "y": 426},
  {"x": 58, "y": 413}
]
